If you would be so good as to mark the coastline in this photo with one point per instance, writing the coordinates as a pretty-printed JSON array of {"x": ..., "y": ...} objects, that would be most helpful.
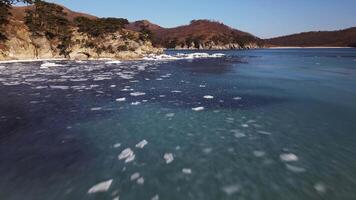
[{"x": 315, "y": 47}]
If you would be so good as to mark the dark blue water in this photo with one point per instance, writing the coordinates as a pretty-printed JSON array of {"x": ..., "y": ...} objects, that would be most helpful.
[{"x": 258, "y": 124}]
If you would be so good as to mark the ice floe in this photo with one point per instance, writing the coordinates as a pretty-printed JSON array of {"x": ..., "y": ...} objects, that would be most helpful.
[
  {"x": 259, "y": 153},
  {"x": 208, "y": 97},
  {"x": 121, "y": 99},
  {"x": 127, "y": 155},
  {"x": 168, "y": 157},
  {"x": 47, "y": 65},
  {"x": 135, "y": 176},
  {"x": 117, "y": 145},
  {"x": 101, "y": 187},
  {"x": 198, "y": 108},
  {"x": 320, "y": 187},
  {"x": 136, "y": 94},
  {"x": 288, "y": 157},
  {"x": 141, "y": 181},
  {"x": 231, "y": 189},
  {"x": 186, "y": 171},
  {"x": 142, "y": 144},
  {"x": 295, "y": 169}
]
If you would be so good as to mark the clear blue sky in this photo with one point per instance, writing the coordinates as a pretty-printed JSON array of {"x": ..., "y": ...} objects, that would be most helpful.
[{"x": 264, "y": 18}]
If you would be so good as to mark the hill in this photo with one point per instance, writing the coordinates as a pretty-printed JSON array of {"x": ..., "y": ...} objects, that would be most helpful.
[
  {"x": 340, "y": 38},
  {"x": 199, "y": 34}
]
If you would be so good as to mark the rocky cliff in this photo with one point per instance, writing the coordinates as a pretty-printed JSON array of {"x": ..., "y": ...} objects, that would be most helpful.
[{"x": 24, "y": 41}]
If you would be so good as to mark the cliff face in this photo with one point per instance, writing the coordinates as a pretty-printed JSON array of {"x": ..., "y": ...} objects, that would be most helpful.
[
  {"x": 199, "y": 34},
  {"x": 22, "y": 44}
]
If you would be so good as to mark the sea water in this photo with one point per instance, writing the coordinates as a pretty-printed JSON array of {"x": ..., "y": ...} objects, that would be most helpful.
[{"x": 257, "y": 124}]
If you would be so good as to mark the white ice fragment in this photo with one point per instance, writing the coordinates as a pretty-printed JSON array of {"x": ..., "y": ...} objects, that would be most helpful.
[
  {"x": 46, "y": 65},
  {"x": 156, "y": 197},
  {"x": 320, "y": 187},
  {"x": 100, "y": 187},
  {"x": 245, "y": 125},
  {"x": 130, "y": 158},
  {"x": 186, "y": 171},
  {"x": 126, "y": 153},
  {"x": 198, "y": 109},
  {"x": 289, "y": 157},
  {"x": 142, "y": 144},
  {"x": 113, "y": 62},
  {"x": 96, "y": 109},
  {"x": 168, "y": 157},
  {"x": 135, "y": 176},
  {"x": 208, "y": 97},
  {"x": 117, "y": 145},
  {"x": 136, "y": 103},
  {"x": 170, "y": 115},
  {"x": 121, "y": 99},
  {"x": 264, "y": 133},
  {"x": 238, "y": 133},
  {"x": 295, "y": 168},
  {"x": 237, "y": 98},
  {"x": 231, "y": 189},
  {"x": 141, "y": 181},
  {"x": 136, "y": 94}
]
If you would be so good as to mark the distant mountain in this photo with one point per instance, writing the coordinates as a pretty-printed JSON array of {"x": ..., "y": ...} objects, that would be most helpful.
[
  {"x": 199, "y": 34},
  {"x": 340, "y": 38}
]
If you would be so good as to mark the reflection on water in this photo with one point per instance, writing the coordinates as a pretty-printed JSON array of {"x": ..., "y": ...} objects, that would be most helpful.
[{"x": 260, "y": 124}]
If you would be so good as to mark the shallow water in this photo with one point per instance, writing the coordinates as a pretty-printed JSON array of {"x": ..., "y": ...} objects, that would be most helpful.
[{"x": 259, "y": 124}]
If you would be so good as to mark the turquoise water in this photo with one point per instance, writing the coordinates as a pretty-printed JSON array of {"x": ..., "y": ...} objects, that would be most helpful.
[{"x": 258, "y": 124}]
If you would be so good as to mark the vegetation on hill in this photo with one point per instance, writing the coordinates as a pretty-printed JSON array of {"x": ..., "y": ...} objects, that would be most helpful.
[{"x": 341, "y": 38}]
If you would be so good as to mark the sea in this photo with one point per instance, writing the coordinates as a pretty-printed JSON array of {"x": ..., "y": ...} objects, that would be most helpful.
[{"x": 266, "y": 124}]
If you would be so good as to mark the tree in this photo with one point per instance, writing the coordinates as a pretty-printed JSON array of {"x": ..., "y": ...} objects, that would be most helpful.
[{"x": 4, "y": 14}]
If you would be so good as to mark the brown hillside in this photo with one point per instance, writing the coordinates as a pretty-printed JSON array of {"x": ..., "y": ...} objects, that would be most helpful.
[{"x": 341, "y": 38}]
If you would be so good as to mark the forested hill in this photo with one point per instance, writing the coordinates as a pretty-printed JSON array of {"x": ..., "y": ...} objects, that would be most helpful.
[{"x": 340, "y": 38}]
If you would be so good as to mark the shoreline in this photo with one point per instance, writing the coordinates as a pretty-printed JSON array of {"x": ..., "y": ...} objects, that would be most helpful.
[{"x": 315, "y": 47}]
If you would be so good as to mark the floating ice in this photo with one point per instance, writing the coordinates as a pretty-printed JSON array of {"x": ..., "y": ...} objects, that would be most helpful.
[
  {"x": 49, "y": 64},
  {"x": 100, "y": 187},
  {"x": 238, "y": 133},
  {"x": 186, "y": 171},
  {"x": 113, "y": 62},
  {"x": 121, "y": 99},
  {"x": 295, "y": 168},
  {"x": 231, "y": 189},
  {"x": 320, "y": 187},
  {"x": 136, "y": 94},
  {"x": 168, "y": 157},
  {"x": 117, "y": 145},
  {"x": 126, "y": 153},
  {"x": 245, "y": 125},
  {"x": 96, "y": 109},
  {"x": 288, "y": 157},
  {"x": 156, "y": 197},
  {"x": 135, "y": 176},
  {"x": 264, "y": 133},
  {"x": 237, "y": 98},
  {"x": 208, "y": 97},
  {"x": 141, "y": 181},
  {"x": 141, "y": 144},
  {"x": 170, "y": 115},
  {"x": 198, "y": 109},
  {"x": 136, "y": 103},
  {"x": 130, "y": 158}
]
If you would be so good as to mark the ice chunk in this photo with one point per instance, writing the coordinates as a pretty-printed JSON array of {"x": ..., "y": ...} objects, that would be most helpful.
[
  {"x": 208, "y": 97},
  {"x": 231, "y": 189},
  {"x": 238, "y": 133},
  {"x": 156, "y": 197},
  {"x": 135, "y": 94},
  {"x": 101, "y": 187},
  {"x": 259, "y": 153},
  {"x": 198, "y": 109},
  {"x": 168, "y": 157},
  {"x": 320, "y": 187},
  {"x": 170, "y": 115},
  {"x": 264, "y": 133},
  {"x": 121, "y": 99},
  {"x": 141, "y": 144},
  {"x": 126, "y": 153},
  {"x": 96, "y": 109},
  {"x": 186, "y": 171},
  {"x": 136, "y": 103},
  {"x": 289, "y": 157},
  {"x": 295, "y": 168},
  {"x": 135, "y": 176},
  {"x": 117, "y": 145},
  {"x": 141, "y": 181}
]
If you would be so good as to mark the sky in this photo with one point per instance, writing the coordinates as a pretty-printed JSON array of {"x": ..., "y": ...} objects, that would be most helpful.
[{"x": 263, "y": 18}]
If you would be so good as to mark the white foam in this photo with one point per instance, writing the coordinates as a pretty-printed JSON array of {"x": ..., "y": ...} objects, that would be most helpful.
[
  {"x": 168, "y": 157},
  {"x": 100, "y": 187},
  {"x": 182, "y": 56},
  {"x": 60, "y": 87},
  {"x": 264, "y": 133},
  {"x": 231, "y": 189},
  {"x": 142, "y": 144},
  {"x": 136, "y": 103},
  {"x": 320, "y": 187},
  {"x": 2, "y": 67},
  {"x": 96, "y": 109},
  {"x": 289, "y": 157},
  {"x": 237, "y": 98},
  {"x": 156, "y": 197},
  {"x": 259, "y": 153},
  {"x": 198, "y": 109},
  {"x": 170, "y": 115}
]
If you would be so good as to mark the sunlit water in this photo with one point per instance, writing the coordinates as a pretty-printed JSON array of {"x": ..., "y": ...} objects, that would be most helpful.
[{"x": 259, "y": 124}]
